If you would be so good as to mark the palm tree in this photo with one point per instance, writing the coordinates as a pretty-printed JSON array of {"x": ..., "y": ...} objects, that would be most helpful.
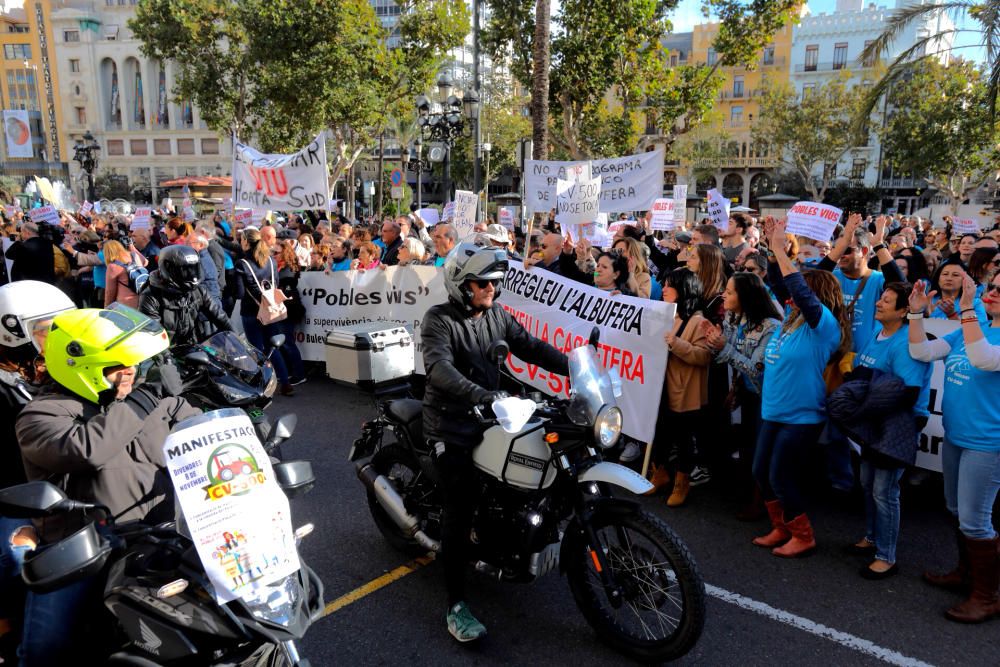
[
  {"x": 985, "y": 12},
  {"x": 540, "y": 81}
]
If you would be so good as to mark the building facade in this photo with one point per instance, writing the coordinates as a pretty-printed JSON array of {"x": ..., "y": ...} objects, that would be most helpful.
[{"x": 29, "y": 81}]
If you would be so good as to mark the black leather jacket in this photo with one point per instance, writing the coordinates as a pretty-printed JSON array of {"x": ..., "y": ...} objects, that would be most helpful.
[
  {"x": 459, "y": 373},
  {"x": 178, "y": 311}
]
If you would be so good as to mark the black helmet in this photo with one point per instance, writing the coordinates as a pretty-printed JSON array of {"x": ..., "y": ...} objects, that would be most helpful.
[{"x": 180, "y": 266}]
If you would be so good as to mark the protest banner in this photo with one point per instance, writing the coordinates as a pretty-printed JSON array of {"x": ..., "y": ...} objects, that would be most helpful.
[
  {"x": 275, "y": 182},
  {"x": 663, "y": 215},
  {"x": 680, "y": 204},
  {"x": 399, "y": 294},
  {"x": 814, "y": 221},
  {"x": 505, "y": 216},
  {"x": 430, "y": 216},
  {"x": 627, "y": 183},
  {"x": 47, "y": 214},
  {"x": 964, "y": 226},
  {"x": 464, "y": 218},
  {"x": 143, "y": 214},
  {"x": 17, "y": 128},
  {"x": 236, "y": 513},
  {"x": 718, "y": 210},
  {"x": 448, "y": 214},
  {"x": 245, "y": 217},
  {"x": 577, "y": 201},
  {"x": 86, "y": 208},
  {"x": 562, "y": 312}
]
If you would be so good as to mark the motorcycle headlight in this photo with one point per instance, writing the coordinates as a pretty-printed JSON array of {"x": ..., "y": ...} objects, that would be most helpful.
[
  {"x": 277, "y": 602},
  {"x": 272, "y": 384},
  {"x": 608, "y": 426}
]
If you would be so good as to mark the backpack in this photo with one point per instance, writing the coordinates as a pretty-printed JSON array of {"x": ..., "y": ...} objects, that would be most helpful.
[{"x": 137, "y": 275}]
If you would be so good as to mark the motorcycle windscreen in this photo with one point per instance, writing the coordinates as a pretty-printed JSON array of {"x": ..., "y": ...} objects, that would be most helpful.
[
  {"x": 231, "y": 350},
  {"x": 591, "y": 388}
]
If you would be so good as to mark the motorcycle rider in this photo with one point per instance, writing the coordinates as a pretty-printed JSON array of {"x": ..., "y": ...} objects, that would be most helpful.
[
  {"x": 460, "y": 375},
  {"x": 99, "y": 435},
  {"x": 175, "y": 295}
]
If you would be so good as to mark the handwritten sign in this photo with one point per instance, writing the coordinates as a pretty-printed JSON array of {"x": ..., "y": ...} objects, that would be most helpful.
[
  {"x": 577, "y": 202},
  {"x": 628, "y": 183},
  {"x": 964, "y": 226},
  {"x": 465, "y": 213},
  {"x": 449, "y": 212},
  {"x": 505, "y": 216},
  {"x": 680, "y": 203},
  {"x": 276, "y": 182},
  {"x": 663, "y": 215},
  {"x": 814, "y": 221},
  {"x": 718, "y": 210},
  {"x": 47, "y": 214}
]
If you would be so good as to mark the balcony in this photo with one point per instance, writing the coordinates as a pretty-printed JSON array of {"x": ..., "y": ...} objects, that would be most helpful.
[
  {"x": 748, "y": 162},
  {"x": 747, "y": 94},
  {"x": 777, "y": 61},
  {"x": 851, "y": 65},
  {"x": 902, "y": 183}
]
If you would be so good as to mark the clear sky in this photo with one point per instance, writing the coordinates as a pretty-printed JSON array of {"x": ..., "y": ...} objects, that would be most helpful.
[{"x": 688, "y": 14}]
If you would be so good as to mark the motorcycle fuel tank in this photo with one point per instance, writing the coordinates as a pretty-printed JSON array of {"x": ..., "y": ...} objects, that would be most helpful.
[{"x": 519, "y": 459}]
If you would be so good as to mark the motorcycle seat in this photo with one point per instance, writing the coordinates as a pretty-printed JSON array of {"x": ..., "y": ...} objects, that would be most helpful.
[{"x": 407, "y": 413}]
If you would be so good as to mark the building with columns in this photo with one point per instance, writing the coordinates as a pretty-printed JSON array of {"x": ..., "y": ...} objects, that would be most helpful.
[{"x": 126, "y": 101}]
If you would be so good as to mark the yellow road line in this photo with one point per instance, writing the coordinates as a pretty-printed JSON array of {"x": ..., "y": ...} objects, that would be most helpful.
[{"x": 376, "y": 584}]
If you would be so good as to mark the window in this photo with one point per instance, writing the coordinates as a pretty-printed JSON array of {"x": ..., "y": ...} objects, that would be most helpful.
[
  {"x": 737, "y": 86},
  {"x": 808, "y": 89},
  {"x": 71, "y": 35},
  {"x": 839, "y": 55},
  {"x": 17, "y": 51},
  {"x": 17, "y": 27},
  {"x": 712, "y": 57},
  {"x": 673, "y": 60},
  {"x": 868, "y": 62},
  {"x": 161, "y": 146},
  {"x": 736, "y": 115},
  {"x": 769, "y": 54},
  {"x": 111, "y": 32},
  {"x": 22, "y": 89},
  {"x": 812, "y": 57},
  {"x": 116, "y": 147},
  {"x": 138, "y": 147},
  {"x": 74, "y": 65},
  {"x": 858, "y": 169},
  {"x": 209, "y": 146},
  {"x": 81, "y": 115},
  {"x": 185, "y": 146}
]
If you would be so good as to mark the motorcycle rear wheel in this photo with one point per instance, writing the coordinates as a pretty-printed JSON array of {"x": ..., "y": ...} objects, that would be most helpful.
[
  {"x": 663, "y": 610},
  {"x": 401, "y": 468}
]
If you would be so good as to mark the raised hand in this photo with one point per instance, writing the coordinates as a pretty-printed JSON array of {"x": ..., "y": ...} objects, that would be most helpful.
[
  {"x": 880, "y": 224},
  {"x": 920, "y": 299},
  {"x": 968, "y": 292}
]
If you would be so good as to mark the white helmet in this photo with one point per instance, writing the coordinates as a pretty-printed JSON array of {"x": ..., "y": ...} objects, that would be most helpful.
[{"x": 24, "y": 302}]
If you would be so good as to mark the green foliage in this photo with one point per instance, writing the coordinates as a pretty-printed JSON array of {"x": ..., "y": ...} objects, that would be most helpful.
[
  {"x": 810, "y": 131},
  {"x": 704, "y": 149},
  {"x": 9, "y": 187},
  {"x": 940, "y": 126},
  {"x": 859, "y": 199}
]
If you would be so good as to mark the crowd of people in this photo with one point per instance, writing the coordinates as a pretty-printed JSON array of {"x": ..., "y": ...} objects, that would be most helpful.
[{"x": 814, "y": 341}]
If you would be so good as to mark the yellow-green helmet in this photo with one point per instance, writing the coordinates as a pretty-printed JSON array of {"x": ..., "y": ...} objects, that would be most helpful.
[{"x": 83, "y": 343}]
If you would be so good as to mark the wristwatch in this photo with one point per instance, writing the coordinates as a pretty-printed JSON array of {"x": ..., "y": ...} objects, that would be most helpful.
[{"x": 880, "y": 246}]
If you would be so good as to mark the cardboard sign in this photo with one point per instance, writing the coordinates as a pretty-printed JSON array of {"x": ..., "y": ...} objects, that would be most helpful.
[
  {"x": 663, "y": 215},
  {"x": 86, "y": 208},
  {"x": 964, "y": 226},
  {"x": 718, "y": 210},
  {"x": 448, "y": 214},
  {"x": 505, "y": 216},
  {"x": 47, "y": 214},
  {"x": 628, "y": 183},
  {"x": 577, "y": 202},
  {"x": 464, "y": 219},
  {"x": 237, "y": 514},
  {"x": 680, "y": 203},
  {"x": 142, "y": 215},
  {"x": 812, "y": 220},
  {"x": 430, "y": 216},
  {"x": 244, "y": 216},
  {"x": 278, "y": 182}
]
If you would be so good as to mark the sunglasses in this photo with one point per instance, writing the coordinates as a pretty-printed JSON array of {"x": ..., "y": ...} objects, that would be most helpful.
[
  {"x": 850, "y": 250},
  {"x": 993, "y": 289},
  {"x": 482, "y": 284}
]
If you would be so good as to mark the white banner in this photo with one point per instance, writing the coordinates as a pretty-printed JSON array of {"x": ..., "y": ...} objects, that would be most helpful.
[
  {"x": 86, "y": 208},
  {"x": 577, "y": 201},
  {"x": 430, "y": 216},
  {"x": 627, "y": 183},
  {"x": 244, "y": 217},
  {"x": 275, "y": 182},
  {"x": 562, "y": 312},
  {"x": 17, "y": 129},
  {"x": 237, "y": 514},
  {"x": 964, "y": 226},
  {"x": 464, "y": 219},
  {"x": 932, "y": 437},
  {"x": 47, "y": 214},
  {"x": 680, "y": 203},
  {"x": 663, "y": 215},
  {"x": 142, "y": 215},
  {"x": 718, "y": 210},
  {"x": 399, "y": 294},
  {"x": 813, "y": 221}
]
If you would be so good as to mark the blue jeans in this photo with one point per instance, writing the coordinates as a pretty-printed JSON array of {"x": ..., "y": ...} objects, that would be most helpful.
[
  {"x": 290, "y": 351},
  {"x": 778, "y": 461},
  {"x": 11, "y": 559},
  {"x": 54, "y": 624},
  {"x": 258, "y": 335},
  {"x": 881, "y": 487},
  {"x": 971, "y": 481},
  {"x": 838, "y": 459}
]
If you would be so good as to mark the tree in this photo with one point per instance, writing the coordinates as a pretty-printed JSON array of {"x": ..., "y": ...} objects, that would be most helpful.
[
  {"x": 927, "y": 45},
  {"x": 9, "y": 187},
  {"x": 539, "y": 73},
  {"x": 808, "y": 132},
  {"x": 940, "y": 127}
]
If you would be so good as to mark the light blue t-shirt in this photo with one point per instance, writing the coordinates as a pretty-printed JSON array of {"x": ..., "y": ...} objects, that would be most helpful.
[
  {"x": 969, "y": 407},
  {"x": 977, "y": 305},
  {"x": 794, "y": 389},
  {"x": 101, "y": 272},
  {"x": 863, "y": 322},
  {"x": 655, "y": 291},
  {"x": 892, "y": 355}
]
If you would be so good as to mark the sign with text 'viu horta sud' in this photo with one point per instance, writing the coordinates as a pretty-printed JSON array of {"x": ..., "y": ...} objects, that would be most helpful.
[{"x": 277, "y": 182}]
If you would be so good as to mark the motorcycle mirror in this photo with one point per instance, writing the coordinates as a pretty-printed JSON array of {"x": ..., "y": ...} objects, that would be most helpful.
[
  {"x": 277, "y": 341},
  {"x": 285, "y": 427},
  {"x": 31, "y": 500},
  {"x": 294, "y": 477},
  {"x": 498, "y": 350},
  {"x": 595, "y": 336},
  {"x": 198, "y": 358}
]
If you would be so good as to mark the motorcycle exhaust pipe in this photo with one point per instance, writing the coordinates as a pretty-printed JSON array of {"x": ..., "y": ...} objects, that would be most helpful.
[{"x": 393, "y": 504}]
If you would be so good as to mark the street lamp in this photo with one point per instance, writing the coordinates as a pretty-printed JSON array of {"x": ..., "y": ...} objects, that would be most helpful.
[
  {"x": 85, "y": 153},
  {"x": 417, "y": 165},
  {"x": 442, "y": 122}
]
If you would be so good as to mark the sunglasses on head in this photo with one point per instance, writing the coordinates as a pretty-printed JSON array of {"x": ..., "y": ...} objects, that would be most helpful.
[{"x": 482, "y": 283}]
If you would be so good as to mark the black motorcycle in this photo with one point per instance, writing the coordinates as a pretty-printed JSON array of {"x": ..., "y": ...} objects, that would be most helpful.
[
  {"x": 159, "y": 603},
  {"x": 547, "y": 504}
]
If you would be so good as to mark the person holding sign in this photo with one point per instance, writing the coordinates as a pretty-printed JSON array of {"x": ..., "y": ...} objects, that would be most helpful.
[
  {"x": 971, "y": 449},
  {"x": 793, "y": 400}
]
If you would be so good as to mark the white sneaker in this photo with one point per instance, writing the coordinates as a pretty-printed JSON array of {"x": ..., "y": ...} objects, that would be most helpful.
[{"x": 630, "y": 453}]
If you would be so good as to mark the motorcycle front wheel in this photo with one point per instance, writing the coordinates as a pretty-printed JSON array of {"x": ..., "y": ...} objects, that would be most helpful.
[
  {"x": 661, "y": 612},
  {"x": 401, "y": 468}
]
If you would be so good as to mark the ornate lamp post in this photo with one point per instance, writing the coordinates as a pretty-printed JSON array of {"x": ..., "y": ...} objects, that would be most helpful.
[
  {"x": 85, "y": 153},
  {"x": 442, "y": 123}
]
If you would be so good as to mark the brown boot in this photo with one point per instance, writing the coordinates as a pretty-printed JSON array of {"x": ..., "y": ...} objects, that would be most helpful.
[
  {"x": 779, "y": 533},
  {"x": 682, "y": 484},
  {"x": 286, "y": 390},
  {"x": 984, "y": 567},
  {"x": 958, "y": 579},
  {"x": 660, "y": 478},
  {"x": 802, "y": 543}
]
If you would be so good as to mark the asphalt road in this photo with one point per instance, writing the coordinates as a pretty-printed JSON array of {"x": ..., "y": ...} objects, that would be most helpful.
[{"x": 761, "y": 610}]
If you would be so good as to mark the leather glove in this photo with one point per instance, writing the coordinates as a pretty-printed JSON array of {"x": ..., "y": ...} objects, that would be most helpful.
[
  {"x": 165, "y": 380},
  {"x": 494, "y": 396}
]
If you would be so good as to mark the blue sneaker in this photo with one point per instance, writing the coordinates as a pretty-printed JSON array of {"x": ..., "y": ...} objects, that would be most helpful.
[{"x": 462, "y": 625}]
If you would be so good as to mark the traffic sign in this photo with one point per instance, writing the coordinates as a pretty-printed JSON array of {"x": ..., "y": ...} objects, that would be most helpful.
[
  {"x": 396, "y": 178},
  {"x": 396, "y": 192}
]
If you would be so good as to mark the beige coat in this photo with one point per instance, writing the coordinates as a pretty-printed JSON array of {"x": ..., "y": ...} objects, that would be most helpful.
[{"x": 687, "y": 367}]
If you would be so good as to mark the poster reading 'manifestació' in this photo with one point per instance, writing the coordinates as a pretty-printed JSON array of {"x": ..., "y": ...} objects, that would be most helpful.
[{"x": 237, "y": 514}]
